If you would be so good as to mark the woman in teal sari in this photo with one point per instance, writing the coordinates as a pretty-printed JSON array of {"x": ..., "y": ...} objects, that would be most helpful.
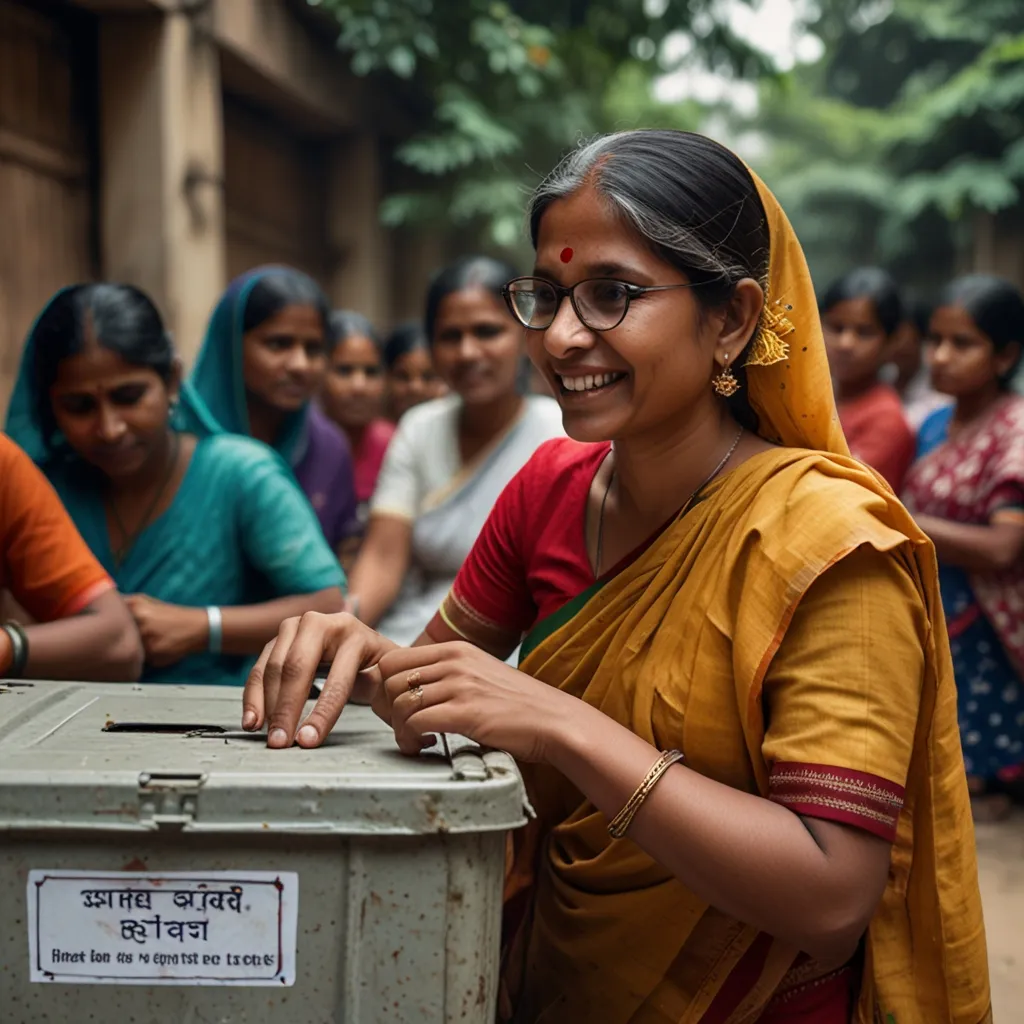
[
  {"x": 262, "y": 364},
  {"x": 207, "y": 534}
]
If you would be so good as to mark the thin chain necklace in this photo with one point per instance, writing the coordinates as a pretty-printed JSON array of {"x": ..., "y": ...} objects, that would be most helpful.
[
  {"x": 689, "y": 501},
  {"x": 128, "y": 539}
]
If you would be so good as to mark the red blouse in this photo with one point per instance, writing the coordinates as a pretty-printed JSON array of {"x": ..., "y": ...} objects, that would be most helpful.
[
  {"x": 877, "y": 432},
  {"x": 531, "y": 556}
]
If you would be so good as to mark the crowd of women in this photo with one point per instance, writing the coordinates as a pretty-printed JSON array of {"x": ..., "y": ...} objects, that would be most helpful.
[
  {"x": 924, "y": 397},
  {"x": 221, "y": 504},
  {"x": 701, "y": 583}
]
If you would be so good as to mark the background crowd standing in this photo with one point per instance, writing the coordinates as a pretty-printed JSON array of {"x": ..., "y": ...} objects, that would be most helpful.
[{"x": 305, "y": 447}]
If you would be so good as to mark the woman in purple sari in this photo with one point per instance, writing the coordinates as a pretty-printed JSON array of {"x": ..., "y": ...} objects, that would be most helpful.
[{"x": 263, "y": 361}]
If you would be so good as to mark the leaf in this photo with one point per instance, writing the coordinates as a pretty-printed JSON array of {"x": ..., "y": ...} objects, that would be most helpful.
[
  {"x": 402, "y": 61},
  {"x": 968, "y": 182}
]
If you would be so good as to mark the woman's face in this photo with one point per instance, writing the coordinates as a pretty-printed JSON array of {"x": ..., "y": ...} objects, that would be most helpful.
[
  {"x": 962, "y": 359},
  {"x": 412, "y": 380},
  {"x": 353, "y": 393},
  {"x": 855, "y": 341},
  {"x": 905, "y": 349},
  {"x": 284, "y": 359},
  {"x": 659, "y": 361},
  {"x": 113, "y": 414},
  {"x": 477, "y": 346}
]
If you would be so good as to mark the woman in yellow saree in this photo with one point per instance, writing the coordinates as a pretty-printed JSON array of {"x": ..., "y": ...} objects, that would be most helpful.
[{"x": 723, "y": 583}]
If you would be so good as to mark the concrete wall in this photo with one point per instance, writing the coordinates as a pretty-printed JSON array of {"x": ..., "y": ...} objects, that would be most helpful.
[
  {"x": 162, "y": 208},
  {"x": 166, "y": 193}
]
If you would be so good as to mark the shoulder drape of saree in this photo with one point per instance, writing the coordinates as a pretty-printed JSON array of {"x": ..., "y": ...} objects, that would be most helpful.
[{"x": 610, "y": 934}]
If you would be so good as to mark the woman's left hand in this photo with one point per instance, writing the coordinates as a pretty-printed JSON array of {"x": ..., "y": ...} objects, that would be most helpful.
[
  {"x": 169, "y": 631},
  {"x": 457, "y": 688}
]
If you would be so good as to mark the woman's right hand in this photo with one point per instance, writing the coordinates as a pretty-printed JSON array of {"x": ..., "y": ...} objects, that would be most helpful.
[{"x": 278, "y": 686}]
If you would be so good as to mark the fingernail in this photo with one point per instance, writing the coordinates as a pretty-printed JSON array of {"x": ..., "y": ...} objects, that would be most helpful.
[
  {"x": 308, "y": 735},
  {"x": 249, "y": 720},
  {"x": 277, "y": 738}
]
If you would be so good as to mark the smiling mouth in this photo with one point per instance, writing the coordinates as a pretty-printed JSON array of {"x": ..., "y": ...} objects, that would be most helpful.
[{"x": 589, "y": 382}]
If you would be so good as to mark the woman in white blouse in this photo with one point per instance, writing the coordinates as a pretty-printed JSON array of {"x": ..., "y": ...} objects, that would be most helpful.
[{"x": 450, "y": 458}]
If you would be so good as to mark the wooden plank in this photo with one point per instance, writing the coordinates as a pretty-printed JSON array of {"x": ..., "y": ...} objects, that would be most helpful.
[
  {"x": 46, "y": 205},
  {"x": 38, "y": 156}
]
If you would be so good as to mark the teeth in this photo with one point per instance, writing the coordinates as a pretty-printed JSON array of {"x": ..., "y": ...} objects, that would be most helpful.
[{"x": 589, "y": 382}]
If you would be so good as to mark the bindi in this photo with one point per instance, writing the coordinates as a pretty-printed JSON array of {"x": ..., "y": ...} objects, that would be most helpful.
[{"x": 566, "y": 254}]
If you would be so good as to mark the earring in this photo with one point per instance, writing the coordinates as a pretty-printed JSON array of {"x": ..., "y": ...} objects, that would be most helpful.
[{"x": 725, "y": 384}]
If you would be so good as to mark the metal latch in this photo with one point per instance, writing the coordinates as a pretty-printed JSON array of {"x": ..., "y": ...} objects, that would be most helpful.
[{"x": 168, "y": 799}]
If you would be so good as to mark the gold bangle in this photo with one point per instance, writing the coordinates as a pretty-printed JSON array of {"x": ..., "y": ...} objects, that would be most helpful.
[{"x": 621, "y": 822}]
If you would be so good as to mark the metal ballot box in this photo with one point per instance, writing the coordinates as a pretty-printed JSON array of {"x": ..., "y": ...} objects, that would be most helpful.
[{"x": 158, "y": 865}]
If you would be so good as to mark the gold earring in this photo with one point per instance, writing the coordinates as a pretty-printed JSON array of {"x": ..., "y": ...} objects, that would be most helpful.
[{"x": 725, "y": 384}]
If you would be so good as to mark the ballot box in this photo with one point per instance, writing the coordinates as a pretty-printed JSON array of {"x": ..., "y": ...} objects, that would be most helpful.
[{"x": 160, "y": 866}]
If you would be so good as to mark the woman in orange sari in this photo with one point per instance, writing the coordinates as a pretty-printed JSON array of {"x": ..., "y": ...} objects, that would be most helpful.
[{"x": 702, "y": 573}]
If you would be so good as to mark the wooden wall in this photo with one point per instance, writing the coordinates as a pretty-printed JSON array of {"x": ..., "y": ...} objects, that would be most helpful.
[
  {"x": 275, "y": 194},
  {"x": 47, "y": 135}
]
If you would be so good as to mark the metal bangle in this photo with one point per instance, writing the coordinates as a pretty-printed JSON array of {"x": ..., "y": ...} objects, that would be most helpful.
[
  {"x": 621, "y": 822},
  {"x": 216, "y": 624},
  {"x": 19, "y": 649}
]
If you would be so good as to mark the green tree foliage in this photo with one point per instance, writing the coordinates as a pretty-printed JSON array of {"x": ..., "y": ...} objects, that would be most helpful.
[
  {"x": 910, "y": 124},
  {"x": 501, "y": 89}
]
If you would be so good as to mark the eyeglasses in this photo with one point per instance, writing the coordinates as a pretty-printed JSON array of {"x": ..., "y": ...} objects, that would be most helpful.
[{"x": 600, "y": 303}]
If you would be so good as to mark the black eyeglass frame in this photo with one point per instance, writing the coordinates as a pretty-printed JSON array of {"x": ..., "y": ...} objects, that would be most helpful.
[{"x": 633, "y": 291}]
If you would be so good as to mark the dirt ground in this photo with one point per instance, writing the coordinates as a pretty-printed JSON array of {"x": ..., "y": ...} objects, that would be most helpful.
[{"x": 1001, "y": 870}]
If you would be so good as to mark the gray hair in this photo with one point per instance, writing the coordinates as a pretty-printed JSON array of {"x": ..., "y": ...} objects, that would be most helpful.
[{"x": 691, "y": 199}]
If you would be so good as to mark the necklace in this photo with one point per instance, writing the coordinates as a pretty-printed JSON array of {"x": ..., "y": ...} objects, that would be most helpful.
[
  {"x": 128, "y": 539},
  {"x": 689, "y": 501}
]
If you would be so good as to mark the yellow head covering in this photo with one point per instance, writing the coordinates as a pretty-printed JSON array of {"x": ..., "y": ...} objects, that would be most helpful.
[{"x": 788, "y": 375}]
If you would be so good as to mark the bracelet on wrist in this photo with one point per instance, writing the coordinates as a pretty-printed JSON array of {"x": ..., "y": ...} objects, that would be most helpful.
[
  {"x": 619, "y": 825},
  {"x": 19, "y": 649},
  {"x": 215, "y": 622}
]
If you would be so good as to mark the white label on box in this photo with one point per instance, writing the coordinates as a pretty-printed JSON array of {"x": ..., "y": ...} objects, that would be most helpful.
[{"x": 176, "y": 928}]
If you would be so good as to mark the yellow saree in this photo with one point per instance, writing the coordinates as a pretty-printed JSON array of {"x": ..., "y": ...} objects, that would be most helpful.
[{"x": 679, "y": 647}]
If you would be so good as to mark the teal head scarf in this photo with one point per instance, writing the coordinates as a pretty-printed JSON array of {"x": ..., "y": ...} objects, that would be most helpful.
[
  {"x": 24, "y": 423},
  {"x": 217, "y": 377}
]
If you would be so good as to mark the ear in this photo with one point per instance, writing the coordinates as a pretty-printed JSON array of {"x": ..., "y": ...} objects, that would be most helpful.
[
  {"x": 174, "y": 379},
  {"x": 742, "y": 314},
  {"x": 1006, "y": 359}
]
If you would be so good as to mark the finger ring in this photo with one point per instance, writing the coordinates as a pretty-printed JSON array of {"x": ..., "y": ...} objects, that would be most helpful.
[
  {"x": 414, "y": 678},
  {"x": 417, "y": 692}
]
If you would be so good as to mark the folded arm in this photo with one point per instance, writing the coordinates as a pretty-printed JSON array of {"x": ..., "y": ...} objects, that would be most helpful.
[
  {"x": 100, "y": 642},
  {"x": 381, "y": 566},
  {"x": 994, "y": 547}
]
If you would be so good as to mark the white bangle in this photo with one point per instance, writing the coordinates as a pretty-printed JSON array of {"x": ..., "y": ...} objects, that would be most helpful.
[{"x": 215, "y": 621}]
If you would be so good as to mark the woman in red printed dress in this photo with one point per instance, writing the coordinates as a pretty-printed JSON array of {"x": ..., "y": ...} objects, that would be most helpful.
[{"x": 967, "y": 493}]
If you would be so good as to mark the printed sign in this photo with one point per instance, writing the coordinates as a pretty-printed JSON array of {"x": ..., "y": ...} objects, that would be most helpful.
[{"x": 178, "y": 928}]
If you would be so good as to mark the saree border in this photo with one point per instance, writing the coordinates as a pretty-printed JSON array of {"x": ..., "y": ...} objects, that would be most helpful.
[
  {"x": 557, "y": 619},
  {"x": 844, "y": 795}
]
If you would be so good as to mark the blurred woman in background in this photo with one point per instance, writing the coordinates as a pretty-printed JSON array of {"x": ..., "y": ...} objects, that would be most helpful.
[
  {"x": 450, "y": 458},
  {"x": 910, "y": 374},
  {"x": 207, "y": 534},
  {"x": 411, "y": 377},
  {"x": 966, "y": 492},
  {"x": 860, "y": 313},
  {"x": 353, "y": 397},
  {"x": 262, "y": 363}
]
